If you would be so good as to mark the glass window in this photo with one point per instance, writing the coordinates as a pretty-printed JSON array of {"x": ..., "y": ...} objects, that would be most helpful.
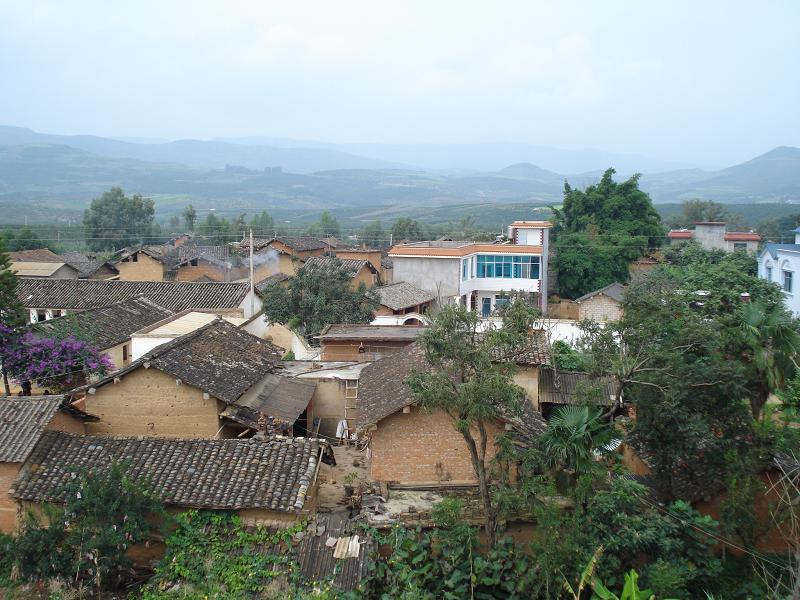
[
  {"x": 464, "y": 269},
  {"x": 507, "y": 266},
  {"x": 787, "y": 281},
  {"x": 769, "y": 273},
  {"x": 739, "y": 246}
]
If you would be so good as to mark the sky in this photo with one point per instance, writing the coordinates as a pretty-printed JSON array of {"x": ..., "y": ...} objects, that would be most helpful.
[{"x": 710, "y": 83}]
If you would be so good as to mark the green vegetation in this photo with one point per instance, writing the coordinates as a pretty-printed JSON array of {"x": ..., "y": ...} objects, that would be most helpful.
[
  {"x": 313, "y": 300},
  {"x": 465, "y": 381},
  {"x": 599, "y": 231},
  {"x": 86, "y": 540},
  {"x": 114, "y": 220}
]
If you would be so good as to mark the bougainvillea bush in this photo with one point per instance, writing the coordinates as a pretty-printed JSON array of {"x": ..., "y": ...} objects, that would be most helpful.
[{"x": 53, "y": 364}]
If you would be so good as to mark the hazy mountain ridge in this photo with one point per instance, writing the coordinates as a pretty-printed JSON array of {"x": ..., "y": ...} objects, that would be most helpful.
[{"x": 33, "y": 169}]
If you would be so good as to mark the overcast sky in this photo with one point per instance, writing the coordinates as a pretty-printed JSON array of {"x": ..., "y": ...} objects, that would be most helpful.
[{"x": 706, "y": 82}]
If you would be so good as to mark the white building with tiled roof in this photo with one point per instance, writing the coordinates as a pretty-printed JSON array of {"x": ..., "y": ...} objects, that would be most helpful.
[{"x": 479, "y": 275}]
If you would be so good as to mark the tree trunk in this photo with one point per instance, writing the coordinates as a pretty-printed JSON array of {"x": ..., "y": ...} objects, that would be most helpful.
[
  {"x": 757, "y": 402},
  {"x": 479, "y": 466}
]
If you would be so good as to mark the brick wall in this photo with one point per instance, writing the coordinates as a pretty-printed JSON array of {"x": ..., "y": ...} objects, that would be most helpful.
[
  {"x": 600, "y": 308},
  {"x": 144, "y": 269},
  {"x": 8, "y": 507},
  {"x": 148, "y": 402},
  {"x": 421, "y": 448}
]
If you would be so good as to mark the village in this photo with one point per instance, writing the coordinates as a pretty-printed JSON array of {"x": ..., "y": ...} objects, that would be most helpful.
[{"x": 330, "y": 393}]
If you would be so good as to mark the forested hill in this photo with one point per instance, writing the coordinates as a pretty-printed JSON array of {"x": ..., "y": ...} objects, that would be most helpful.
[{"x": 66, "y": 175}]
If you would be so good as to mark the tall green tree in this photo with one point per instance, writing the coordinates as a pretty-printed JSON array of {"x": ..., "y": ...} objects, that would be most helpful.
[
  {"x": 407, "y": 229},
  {"x": 315, "y": 299},
  {"x": 22, "y": 238},
  {"x": 600, "y": 230},
  {"x": 189, "y": 217},
  {"x": 770, "y": 351},
  {"x": 115, "y": 220},
  {"x": 373, "y": 235},
  {"x": 464, "y": 380},
  {"x": 263, "y": 224},
  {"x": 695, "y": 210},
  {"x": 328, "y": 224}
]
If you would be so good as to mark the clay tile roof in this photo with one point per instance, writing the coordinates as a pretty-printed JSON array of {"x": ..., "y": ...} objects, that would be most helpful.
[
  {"x": 615, "y": 291},
  {"x": 219, "y": 359},
  {"x": 382, "y": 392},
  {"x": 562, "y": 388},
  {"x": 284, "y": 398},
  {"x": 400, "y": 333},
  {"x": 80, "y": 294},
  {"x": 85, "y": 265},
  {"x": 37, "y": 255},
  {"x": 680, "y": 234},
  {"x": 271, "y": 280},
  {"x": 381, "y": 386},
  {"x": 398, "y": 296},
  {"x": 534, "y": 352},
  {"x": 347, "y": 265},
  {"x": 742, "y": 236},
  {"x": 22, "y": 421},
  {"x": 272, "y": 474},
  {"x": 304, "y": 244},
  {"x": 106, "y": 326}
]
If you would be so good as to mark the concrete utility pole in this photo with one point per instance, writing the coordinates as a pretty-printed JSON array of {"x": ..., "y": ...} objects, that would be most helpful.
[{"x": 252, "y": 278}]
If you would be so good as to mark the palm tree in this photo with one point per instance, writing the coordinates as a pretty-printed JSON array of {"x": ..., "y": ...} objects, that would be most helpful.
[
  {"x": 572, "y": 435},
  {"x": 771, "y": 346}
]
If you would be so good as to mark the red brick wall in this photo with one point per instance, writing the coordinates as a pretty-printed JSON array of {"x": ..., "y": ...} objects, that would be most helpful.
[{"x": 421, "y": 447}]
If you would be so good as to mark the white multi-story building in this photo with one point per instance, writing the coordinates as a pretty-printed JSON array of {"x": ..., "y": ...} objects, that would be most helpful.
[
  {"x": 780, "y": 263},
  {"x": 479, "y": 275}
]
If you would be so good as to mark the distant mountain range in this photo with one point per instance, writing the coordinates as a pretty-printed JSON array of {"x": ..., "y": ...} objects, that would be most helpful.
[{"x": 66, "y": 172}]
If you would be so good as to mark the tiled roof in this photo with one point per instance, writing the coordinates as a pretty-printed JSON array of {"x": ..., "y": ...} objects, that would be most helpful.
[
  {"x": 271, "y": 280},
  {"x": 37, "y": 255},
  {"x": 742, "y": 236},
  {"x": 450, "y": 249},
  {"x": 398, "y": 296},
  {"x": 330, "y": 263},
  {"x": 680, "y": 234},
  {"x": 615, "y": 291},
  {"x": 304, "y": 244},
  {"x": 219, "y": 359},
  {"x": 773, "y": 249},
  {"x": 85, "y": 265},
  {"x": 381, "y": 386},
  {"x": 284, "y": 398},
  {"x": 535, "y": 351},
  {"x": 523, "y": 224},
  {"x": 398, "y": 333},
  {"x": 22, "y": 421},
  {"x": 107, "y": 326},
  {"x": 562, "y": 388},
  {"x": 272, "y": 474},
  {"x": 382, "y": 392},
  {"x": 79, "y": 294}
]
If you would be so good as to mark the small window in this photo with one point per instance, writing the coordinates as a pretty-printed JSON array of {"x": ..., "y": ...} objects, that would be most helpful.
[
  {"x": 135, "y": 257},
  {"x": 769, "y": 273},
  {"x": 739, "y": 246},
  {"x": 41, "y": 315},
  {"x": 193, "y": 262},
  {"x": 351, "y": 388},
  {"x": 787, "y": 281},
  {"x": 125, "y": 354},
  {"x": 464, "y": 269}
]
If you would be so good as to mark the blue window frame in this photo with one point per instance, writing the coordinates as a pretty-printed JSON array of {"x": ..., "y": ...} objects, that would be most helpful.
[
  {"x": 507, "y": 266},
  {"x": 464, "y": 269}
]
